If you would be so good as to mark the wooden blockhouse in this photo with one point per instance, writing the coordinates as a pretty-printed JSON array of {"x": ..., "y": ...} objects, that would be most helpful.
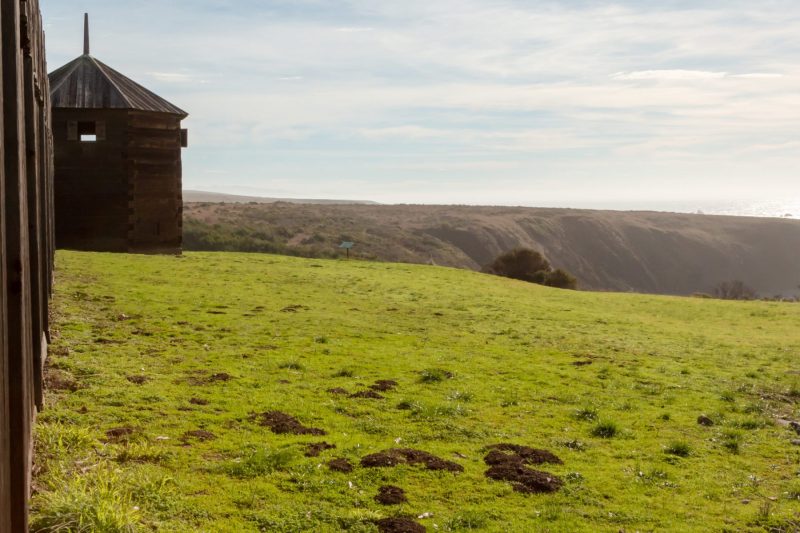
[{"x": 118, "y": 184}]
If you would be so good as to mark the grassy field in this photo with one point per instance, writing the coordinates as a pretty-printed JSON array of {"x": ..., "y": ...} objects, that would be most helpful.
[{"x": 164, "y": 372}]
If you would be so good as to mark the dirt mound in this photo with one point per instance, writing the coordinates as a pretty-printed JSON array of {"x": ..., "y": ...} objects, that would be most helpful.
[
  {"x": 704, "y": 420},
  {"x": 282, "y": 423},
  {"x": 198, "y": 401},
  {"x": 525, "y": 479},
  {"x": 396, "y": 456},
  {"x": 213, "y": 378},
  {"x": 384, "y": 385},
  {"x": 370, "y": 394},
  {"x": 316, "y": 448},
  {"x": 199, "y": 434},
  {"x": 60, "y": 381},
  {"x": 399, "y": 524},
  {"x": 118, "y": 434},
  {"x": 391, "y": 495},
  {"x": 294, "y": 308},
  {"x": 138, "y": 380},
  {"x": 513, "y": 453},
  {"x": 340, "y": 465},
  {"x": 337, "y": 390}
]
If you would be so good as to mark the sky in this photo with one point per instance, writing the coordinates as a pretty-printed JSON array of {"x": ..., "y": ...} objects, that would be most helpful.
[{"x": 510, "y": 102}]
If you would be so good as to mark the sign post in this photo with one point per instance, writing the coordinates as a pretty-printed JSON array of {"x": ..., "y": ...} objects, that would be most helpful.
[{"x": 347, "y": 246}]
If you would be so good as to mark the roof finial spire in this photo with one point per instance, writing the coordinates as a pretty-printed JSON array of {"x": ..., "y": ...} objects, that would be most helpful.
[{"x": 86, "y": 34}]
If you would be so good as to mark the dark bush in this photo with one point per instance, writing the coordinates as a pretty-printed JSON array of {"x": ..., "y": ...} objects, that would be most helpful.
[
  {"x": 734, "y": 290},
  {"x": 561, "y": 279},
  {"x": 529, "y": 265}
]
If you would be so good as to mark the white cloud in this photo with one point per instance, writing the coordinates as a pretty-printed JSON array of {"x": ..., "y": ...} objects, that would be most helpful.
[
  {"x": 680, "y": 75},
  {"x": 575, "y": 92}
]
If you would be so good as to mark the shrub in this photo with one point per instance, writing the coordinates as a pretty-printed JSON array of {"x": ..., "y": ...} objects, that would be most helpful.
[
  {"x": 734, "y": 290},
  {"x": 531, "y": 266},
  {"x": 561, "y": 279},
  {"x": 521, "y": 263}
]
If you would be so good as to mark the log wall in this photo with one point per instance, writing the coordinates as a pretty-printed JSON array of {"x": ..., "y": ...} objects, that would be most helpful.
[
  {"x": 122, "y": 193},
  {"x": 156, "y": 194},
  {"x": 91, "y": 182},
  {"x": 26, "y": 247}
]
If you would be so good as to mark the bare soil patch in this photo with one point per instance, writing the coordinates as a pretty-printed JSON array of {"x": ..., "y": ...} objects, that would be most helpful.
[
  {"x": 704, "y": 420},
  {"x": 369, "y": 394},
  {"x": 391, "y": 495},
  {"x": 340, "y": 465},
  {"x": 103, "y": 340},
  {"x": 60, "y": 381},
  {"x": 121, "y": 434},
  {"x": 138, "y": 380},
  {"x": 398, "y": 524},
  {"x": 294, "y": 308},
  {"x": 396, "y": 456},
  {"x": 337, "y": 390},
  {"x": 198, "y": 401},
  {"x": 525, "y": 479},
  {"x": 314, "y": 449},
  {"x": 282, "y": 423},
  {"x": 507, "y": 462},
  {"x": 220, "y": 377},
  {"x": 384, "y": 385},
  {"x": 513, "y": 453}
]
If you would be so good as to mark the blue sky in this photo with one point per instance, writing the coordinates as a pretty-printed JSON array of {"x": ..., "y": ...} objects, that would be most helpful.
[{"x": 468, "y": 101}]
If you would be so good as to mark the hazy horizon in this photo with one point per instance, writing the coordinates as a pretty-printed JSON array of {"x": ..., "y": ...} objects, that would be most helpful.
[{"x": 569, "y": 103}]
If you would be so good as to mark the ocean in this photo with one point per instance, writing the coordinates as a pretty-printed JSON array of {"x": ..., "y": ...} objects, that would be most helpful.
[{"x": 769, "y": 209}]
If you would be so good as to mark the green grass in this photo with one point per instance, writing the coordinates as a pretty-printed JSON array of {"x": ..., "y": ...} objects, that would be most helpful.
[{"x": 479, "y": 360}]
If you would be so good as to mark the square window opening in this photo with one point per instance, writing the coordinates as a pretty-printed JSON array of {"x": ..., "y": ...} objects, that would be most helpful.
[
  {"x": 87, "y": 128},
  {"x": 87, "y": 132}
]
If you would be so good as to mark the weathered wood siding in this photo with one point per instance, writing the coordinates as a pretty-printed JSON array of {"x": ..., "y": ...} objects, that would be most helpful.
[
  {"x": 154, "y": 161},
  {"x": 122, "y": 193},
  {"x": 92, "y": 182},
  {"x": 26, "y": 247}
]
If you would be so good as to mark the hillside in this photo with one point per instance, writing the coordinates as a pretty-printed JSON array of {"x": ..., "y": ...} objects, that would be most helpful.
[
  {"x": 247, "y": 392},
  {"x": 649, "y": 252},
  {"x": 205, "y": 196}
]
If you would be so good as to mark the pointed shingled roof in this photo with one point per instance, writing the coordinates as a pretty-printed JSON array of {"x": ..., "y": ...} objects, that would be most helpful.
[{"x": 88, "y": 83}]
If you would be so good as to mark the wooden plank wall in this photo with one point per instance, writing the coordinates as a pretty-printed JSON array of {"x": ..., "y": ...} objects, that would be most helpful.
[
  {"x": 155, "y": 195},
  {"x": 26, "y": 247},
  {"x": 91, "y": 182}
]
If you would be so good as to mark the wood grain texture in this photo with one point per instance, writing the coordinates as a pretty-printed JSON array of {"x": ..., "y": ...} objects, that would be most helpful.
[
  {"x": 124, "y": 193},
  {"x": 26, "y": 250}
]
